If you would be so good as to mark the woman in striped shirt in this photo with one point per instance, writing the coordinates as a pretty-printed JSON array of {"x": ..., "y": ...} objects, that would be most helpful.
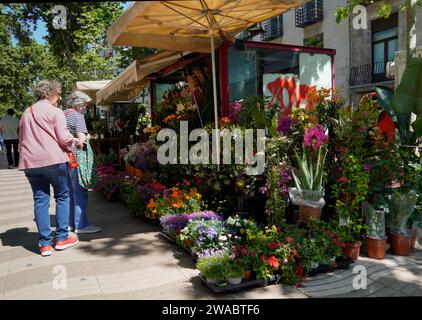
[{"x": 75, "y": 105}]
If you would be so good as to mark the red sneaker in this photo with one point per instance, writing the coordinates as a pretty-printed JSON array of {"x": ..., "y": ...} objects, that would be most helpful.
[
  {"x": 69, "y": 242},
  {"x": 45, "y": 250}
]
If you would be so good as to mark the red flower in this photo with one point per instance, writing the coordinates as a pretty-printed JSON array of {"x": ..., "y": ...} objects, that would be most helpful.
[
  {"x": 343, "y": 180},
  {"x": 244, "y": 251},
  {"x": 264, "y": 257},
  {"x": 273, "y": 262},
  {"x": 274, "y": 245},
  {"x": 253, "y": 253},
  {"x": 290, "y": 239}
]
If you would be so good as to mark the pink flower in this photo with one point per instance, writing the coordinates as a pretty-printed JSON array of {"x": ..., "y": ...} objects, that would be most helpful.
[{"x": 315, "y": 137}]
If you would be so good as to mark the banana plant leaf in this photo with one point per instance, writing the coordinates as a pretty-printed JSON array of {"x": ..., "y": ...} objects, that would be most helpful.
[{"x": 409, "y": 92}]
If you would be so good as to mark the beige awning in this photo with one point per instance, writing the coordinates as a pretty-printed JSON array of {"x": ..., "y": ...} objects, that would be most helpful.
[
  {"x": 185, "y": 24},
  {"x": 129, "y": 83},
  {"x": 91, "y": 87}
]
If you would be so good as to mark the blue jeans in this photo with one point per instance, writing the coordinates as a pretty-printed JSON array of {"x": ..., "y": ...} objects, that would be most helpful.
[
  {"x": 40, "y": 180},
  {"x": 78, "y": 202}
]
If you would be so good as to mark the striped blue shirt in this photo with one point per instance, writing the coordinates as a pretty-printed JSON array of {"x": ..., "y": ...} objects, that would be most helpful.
[{"x": 75, "y": 123}]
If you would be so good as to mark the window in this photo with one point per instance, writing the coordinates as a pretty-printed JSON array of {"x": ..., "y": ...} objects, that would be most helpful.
[
  {"x": 316, "y": 41},
  {"x": 273, "y": 29},
  {"x": 310, "y": 13},
  {"x": 384, "y": 45}
]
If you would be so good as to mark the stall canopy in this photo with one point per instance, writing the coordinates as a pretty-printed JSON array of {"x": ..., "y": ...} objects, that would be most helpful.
[
  {"x": 192, "y": 25},
  {"x": 129, "y": 83},
  {"x": 91, "y": 87},
  {"x": 187, "y": 24}
]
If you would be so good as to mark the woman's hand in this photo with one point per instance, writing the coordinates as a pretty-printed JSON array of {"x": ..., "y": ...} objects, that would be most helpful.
[{"x": 78, "y": 143}]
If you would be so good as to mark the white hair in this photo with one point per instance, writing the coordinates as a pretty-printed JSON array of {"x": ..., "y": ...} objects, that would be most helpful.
[{"x": 75, "y": 99}]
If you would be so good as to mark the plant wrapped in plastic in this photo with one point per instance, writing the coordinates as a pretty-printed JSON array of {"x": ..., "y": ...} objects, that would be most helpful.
[
  {"x": 309, "y": 184},
  {"x": 374, "y": 220},
  {"x": 401, "y": 206}
]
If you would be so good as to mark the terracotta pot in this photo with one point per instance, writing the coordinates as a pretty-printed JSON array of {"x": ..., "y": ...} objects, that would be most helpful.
[
  {"x": 138, "y": 173},
  {"x": 352, "y": 250},
  {"x": 376, "y": 248},
  {"x": 400, "y": 244},
  {"x": 247, "y": 275},
  {"x": 306, "y": 213},
  {"x": 130, "y": 171}
]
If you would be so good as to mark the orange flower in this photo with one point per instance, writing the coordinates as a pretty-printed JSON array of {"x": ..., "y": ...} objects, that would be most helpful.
[{"x": 151, "y": 204}]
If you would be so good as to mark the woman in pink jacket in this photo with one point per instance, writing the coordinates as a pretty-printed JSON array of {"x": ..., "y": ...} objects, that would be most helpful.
[{"x": 42, "y": 130}]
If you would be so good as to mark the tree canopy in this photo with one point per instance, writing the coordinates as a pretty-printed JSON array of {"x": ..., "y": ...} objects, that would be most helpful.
[{"x": 77, "y": 53}]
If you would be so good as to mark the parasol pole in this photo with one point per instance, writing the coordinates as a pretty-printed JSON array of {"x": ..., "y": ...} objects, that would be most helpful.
[{"x": 214, "y": 85}]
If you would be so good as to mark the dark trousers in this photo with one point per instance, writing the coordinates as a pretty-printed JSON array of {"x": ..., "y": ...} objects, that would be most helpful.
[{"x": 9, "y": 144}]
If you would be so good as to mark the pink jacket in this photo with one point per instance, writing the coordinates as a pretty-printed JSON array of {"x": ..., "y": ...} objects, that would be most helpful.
[{"x": 37, "y": 148}]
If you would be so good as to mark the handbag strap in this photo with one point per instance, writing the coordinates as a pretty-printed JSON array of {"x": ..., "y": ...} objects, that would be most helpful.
[{"x": 63, "y": 147}]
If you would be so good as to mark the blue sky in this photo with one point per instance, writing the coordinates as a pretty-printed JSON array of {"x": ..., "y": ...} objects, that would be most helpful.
[{"x": 42, "y": 30}]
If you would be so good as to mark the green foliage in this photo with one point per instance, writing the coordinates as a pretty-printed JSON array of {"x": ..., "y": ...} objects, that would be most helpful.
[
  {"x": 351, "y": 190},
  {"x": 214, "y": 267},
  {"x": 310, "y": 178}
]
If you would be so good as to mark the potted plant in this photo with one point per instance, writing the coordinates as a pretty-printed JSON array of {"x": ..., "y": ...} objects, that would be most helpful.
[
  {"x": 214, "y": 268},
  {"x": 376, "y": 239},
  {"x": 234, "y": 273},
  {"x": 309, "y": 191},
  {"x": 311, "y": 256},
  {"x": 401, "y": 208},
  {"x": 405, "y": 110}
]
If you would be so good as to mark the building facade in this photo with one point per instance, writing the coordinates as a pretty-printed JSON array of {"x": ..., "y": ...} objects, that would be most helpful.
[{"x": 363, "y": 55}]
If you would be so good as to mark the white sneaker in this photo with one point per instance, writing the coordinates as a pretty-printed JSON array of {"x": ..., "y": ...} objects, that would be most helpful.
[{"x": 89, "y": 229}]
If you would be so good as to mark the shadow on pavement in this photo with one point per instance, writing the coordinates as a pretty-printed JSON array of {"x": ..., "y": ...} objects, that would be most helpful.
[{"x": 20, "y": 237}]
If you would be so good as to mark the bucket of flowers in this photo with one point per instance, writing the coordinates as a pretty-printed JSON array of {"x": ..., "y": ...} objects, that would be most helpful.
[{"x": 308, "y": 193}]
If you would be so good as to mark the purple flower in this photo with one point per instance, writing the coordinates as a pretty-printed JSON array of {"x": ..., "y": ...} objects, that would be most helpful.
[
  {"x": 173, "y": 224},
  {"x": 264, "y": 189},
  {"x": 285, "y": 124},
  {"x": 285, "y": 179},
  {"x": 235, "y": 109}
]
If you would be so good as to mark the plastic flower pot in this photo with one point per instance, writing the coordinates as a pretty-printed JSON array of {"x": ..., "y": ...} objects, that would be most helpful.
[
  {"x": 400, "y": 244},
  {"x": 213, "y": 281},
  {"x": 306, "y": 213},
  {"x": 352, "y": 250},
  {"x": 234, "y": 281},
  {"x": 376, "y": 248}
]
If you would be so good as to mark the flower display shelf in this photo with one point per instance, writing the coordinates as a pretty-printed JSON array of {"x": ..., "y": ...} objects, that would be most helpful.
[{"x": 246, "y": 284}]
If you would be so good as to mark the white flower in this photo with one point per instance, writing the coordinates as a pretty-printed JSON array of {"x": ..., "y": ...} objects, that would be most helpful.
[
  {"x": 238, "y": 224},
  {"x": 222, "y": 238},
  {"x": 229, "y": 235}
]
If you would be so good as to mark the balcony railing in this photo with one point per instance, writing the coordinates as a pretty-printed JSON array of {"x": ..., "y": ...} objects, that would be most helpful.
[
  {"x": 310, "y": 13},
  {"x": 360, "y": 75},
  {"x": 368, "y": 73},
  {"x": 273, "y": 29}
]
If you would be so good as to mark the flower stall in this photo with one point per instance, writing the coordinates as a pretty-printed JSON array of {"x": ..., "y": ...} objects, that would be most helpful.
[{"x": 337, "y": 178}]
